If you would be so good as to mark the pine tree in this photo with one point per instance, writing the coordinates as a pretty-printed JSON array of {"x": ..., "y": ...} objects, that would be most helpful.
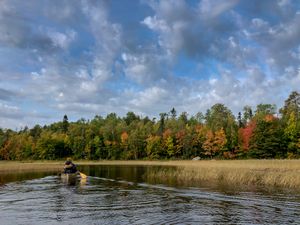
[
  {"x": 65, "y": 124},
  {"x": 267, "y": 140}
]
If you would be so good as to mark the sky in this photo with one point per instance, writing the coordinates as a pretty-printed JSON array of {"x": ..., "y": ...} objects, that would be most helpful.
[{"x": 93, "y": 57}]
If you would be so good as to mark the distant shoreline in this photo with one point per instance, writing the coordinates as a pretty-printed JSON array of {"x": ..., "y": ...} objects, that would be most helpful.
[{"x": 276, "y": 173}]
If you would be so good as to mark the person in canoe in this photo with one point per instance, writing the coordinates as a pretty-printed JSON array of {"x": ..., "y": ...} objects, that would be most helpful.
[{"x": 70, "y": 167}]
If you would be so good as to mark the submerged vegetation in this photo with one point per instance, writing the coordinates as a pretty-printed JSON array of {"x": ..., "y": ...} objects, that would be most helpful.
[{"x": 261, "y": 133}]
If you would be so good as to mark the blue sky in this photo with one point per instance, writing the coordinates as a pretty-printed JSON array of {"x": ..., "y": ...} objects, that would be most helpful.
[{"x": 85, "y": 58}]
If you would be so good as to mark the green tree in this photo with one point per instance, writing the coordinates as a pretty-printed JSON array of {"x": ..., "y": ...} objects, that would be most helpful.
[
  {"x": 263, "y": 110},
  {"x": 266, "y": 141},
  {"x": 218, "y": 117},
  {"x": 247, "y": 115},
  {"x": 65, "y": 124},
  {"x": 138, "y": 132},
  {"x": 292, "y": 104},
  {"x": 183, "y": 119},
  {"x": 130, "y": 117},
  {"x": 1, "y": 138},
  {"x": 162, "y": 123},
  {"x": 240, "y": 122},
  {"x": 291, "y": 133},
  {"x": 173, "y": 113},
  {"x": 154, "y": 147}
]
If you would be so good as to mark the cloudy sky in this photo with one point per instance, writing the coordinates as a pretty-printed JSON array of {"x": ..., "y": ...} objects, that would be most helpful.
[{"x": 85, "y": 57}]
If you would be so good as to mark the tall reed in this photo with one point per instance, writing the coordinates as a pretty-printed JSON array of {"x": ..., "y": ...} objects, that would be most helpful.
[{"x": 264, "y": 173}]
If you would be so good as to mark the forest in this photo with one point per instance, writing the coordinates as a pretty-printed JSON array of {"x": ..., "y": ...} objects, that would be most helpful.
[{"x": 260, "y": 133}]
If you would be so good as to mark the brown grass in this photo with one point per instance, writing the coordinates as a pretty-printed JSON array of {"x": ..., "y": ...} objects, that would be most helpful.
[{"x": 15, "y": 167}]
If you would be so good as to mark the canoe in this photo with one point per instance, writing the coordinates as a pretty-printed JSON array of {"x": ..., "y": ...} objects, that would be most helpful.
[{"x": 70, "y": 178}]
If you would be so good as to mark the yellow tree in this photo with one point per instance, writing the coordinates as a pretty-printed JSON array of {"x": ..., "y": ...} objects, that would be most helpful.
[
  {"x": 168, "y": 143},
  {"x": 199, "y": 138},
  {"x": 208, "y": 144},
  {"x": 214, "y": 142},
  {"x": 124, "y": 144},
  {"x": 180, "y": 135},
  {"x": 153, "y": 148},
  {"x": 219, "y": 141}
]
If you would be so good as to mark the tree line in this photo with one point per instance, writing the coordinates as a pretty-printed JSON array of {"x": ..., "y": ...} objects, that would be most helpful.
[{"x": 260, "y": 133}]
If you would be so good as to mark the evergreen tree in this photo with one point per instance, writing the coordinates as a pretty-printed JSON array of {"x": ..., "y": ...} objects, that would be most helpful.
[
  {"x": 173, "y": 113},
  {"x": 267, "y": 141},
  {"x": 240, "y": 123},
  {"x": 130, "y": 117},
  {"x": 65, "y": 124},
  {"x": 162, "y": 123}
]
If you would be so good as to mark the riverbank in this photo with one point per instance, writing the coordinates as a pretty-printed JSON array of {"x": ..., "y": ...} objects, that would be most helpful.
[{"x": 275, "y": 173}]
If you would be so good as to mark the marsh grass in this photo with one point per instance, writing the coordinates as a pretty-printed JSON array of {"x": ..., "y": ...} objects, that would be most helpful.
[{"x": 251, "y": 173}]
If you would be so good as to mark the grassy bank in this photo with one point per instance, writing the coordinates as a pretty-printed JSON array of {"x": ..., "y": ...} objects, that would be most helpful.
[
  {"x": 18, "y": 167},
  {"x": 270, "y": 173}
]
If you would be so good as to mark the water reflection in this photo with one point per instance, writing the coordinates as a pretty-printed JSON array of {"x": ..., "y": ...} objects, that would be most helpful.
[
  {"x": 128, "y": 173},
  {"x": 119, "y": 195},
  {"x": 20, "y": 176}
]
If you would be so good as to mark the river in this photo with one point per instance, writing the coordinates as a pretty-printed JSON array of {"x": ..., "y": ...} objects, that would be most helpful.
[{"x": 121, "y": 195}]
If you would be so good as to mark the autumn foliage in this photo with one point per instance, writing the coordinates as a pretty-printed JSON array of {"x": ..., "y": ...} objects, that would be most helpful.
[
  {"x": 245, "y": 135},
  {"x": 217, "y": 134}
]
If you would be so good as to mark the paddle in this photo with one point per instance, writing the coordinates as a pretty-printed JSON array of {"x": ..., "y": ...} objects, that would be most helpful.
[{"x": 82, "y": 175}]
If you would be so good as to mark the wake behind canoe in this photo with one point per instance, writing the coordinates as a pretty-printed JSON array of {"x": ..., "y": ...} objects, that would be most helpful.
[{"x": 70, "y": 178}]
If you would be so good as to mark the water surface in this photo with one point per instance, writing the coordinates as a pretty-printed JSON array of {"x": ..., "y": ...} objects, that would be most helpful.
[{"x": 120, "y": 195}]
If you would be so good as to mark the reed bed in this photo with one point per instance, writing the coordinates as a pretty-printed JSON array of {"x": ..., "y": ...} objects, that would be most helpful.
[{"x": 264, "y": 173}]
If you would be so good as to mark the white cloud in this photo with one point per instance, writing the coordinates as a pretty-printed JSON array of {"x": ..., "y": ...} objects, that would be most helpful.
[
  {"x": 150, "y": 98},
  {"x": 283, "y": 3},
  {"x": 11, "y": 116},
  {"x": 145, "y": 68},
  {"x": 216, "y": 8},
  {"x": 62, "y": 40},
  {"x": 155, "y": 24},
  {"x": 108, "y": 40},
  {"x": 259, "y": 23}
]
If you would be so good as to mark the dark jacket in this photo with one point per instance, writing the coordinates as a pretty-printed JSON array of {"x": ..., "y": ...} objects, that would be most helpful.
[{"x": 70, "y": 167}]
